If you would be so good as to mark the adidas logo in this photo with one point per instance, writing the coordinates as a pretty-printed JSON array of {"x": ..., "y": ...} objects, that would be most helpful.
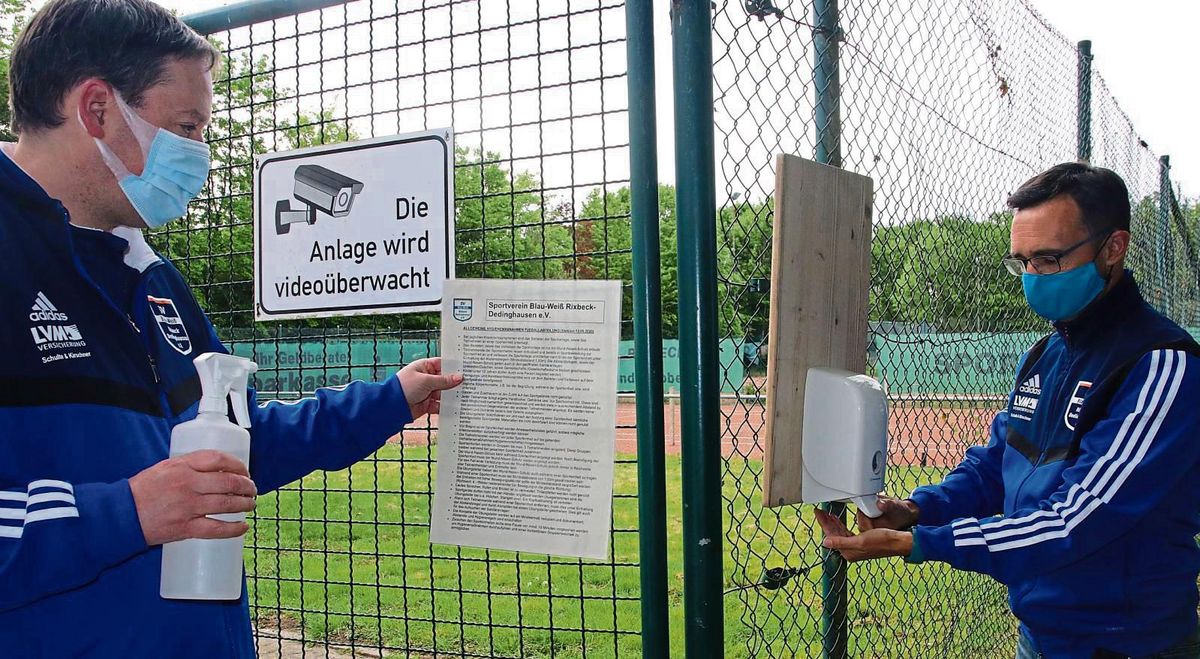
[
  {"x": 44, "y": 309},
  {"x": 57, "y": 336},
  {"x": 1032, "y": 386}
]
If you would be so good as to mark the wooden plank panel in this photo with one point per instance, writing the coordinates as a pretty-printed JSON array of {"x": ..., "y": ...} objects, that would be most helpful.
[
  {"x": 858, "y": 332},
  {"x": 820, "y": 274},
  {"x": 853, "y": 266},
  {"x": 845, "y": 260}
]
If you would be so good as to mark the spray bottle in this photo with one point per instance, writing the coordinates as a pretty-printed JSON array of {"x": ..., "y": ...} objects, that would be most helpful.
[{"x": 211, "y": 569}]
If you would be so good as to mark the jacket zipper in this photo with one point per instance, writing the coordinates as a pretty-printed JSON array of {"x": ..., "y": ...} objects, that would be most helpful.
[
  {"x": 1043, "y": 440},
  {"x": 145, "y": 345},
  {"x": 113, "y": 305}
]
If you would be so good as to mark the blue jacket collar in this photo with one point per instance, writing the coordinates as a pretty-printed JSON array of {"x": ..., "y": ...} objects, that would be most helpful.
[
  {"x": 19, "y": 185},
  {"x": 1116, "y": 306},
  {"x": 47, "y": 217}
]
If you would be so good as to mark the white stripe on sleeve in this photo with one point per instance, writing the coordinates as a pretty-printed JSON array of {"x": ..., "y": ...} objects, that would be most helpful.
[{"x": 1165, "y": 374}]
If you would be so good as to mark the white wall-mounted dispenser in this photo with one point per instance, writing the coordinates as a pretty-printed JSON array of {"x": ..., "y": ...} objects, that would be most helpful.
[{"x": 845, "y": 438}]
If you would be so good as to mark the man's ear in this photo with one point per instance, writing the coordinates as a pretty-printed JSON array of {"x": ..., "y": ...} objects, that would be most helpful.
[
  {"x": 1117, "y": 248},
  {"x": 94, "y": 106}
]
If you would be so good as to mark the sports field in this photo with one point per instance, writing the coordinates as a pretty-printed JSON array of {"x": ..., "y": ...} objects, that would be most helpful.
[{"x": 313, "y": 562}]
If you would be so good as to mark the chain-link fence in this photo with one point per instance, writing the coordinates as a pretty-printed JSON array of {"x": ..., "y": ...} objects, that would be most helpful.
[{"x": 948, "y": 107}]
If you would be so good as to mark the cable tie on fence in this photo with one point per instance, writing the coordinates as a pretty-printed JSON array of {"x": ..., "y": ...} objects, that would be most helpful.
[
  {"x": 761, "y": 9},
  {"x": 775, "y": 578}
]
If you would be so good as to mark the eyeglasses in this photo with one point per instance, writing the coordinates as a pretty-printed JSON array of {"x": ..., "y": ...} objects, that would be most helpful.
[{"x": 1045, "y": 264}]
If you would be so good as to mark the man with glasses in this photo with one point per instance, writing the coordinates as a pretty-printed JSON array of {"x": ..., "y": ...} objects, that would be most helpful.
[{"x": 1084, "y": 499}]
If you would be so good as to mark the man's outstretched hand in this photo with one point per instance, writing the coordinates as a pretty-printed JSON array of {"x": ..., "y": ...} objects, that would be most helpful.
[
  {"x": 423, "y": 384},
  {"x": 873, "y": 543}
]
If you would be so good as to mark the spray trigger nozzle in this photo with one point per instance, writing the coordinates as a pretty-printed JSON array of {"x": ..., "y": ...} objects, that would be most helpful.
[{"x": 224, "y": 378}]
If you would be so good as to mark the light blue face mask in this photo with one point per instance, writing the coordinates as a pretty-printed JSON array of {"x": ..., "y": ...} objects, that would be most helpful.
[
  {"x": 175, "y": 170},
  {"x": 1063, "y": 295}
]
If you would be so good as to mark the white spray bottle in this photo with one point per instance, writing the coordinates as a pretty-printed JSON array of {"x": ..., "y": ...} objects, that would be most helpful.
[{"x": 211, "y": 569}]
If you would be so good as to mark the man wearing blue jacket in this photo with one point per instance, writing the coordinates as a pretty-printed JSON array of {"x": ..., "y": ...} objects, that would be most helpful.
[
  {"x": 1084, "y": 501},
  {"x": 110, "y": 99}
]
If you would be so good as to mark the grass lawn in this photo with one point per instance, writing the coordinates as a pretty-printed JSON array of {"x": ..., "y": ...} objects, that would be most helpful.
[{"x": 346, "y": 556}]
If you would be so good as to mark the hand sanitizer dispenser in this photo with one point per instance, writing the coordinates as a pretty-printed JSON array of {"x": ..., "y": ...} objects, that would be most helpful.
[
  {"x": 845, "y": 439},
  {"x": 205, "y": 569}
]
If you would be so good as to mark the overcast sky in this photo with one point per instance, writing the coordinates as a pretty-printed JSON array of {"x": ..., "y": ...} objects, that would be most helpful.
[{"x": 1144, "y": 50}]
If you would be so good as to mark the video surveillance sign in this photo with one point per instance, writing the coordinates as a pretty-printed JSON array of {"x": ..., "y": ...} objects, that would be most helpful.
[{"x": 357, "y": 228}]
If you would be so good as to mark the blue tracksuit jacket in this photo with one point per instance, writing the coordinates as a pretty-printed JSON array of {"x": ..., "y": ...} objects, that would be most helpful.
[
  {"x": 1090, "y": 524},
  {"x": 99, "y": 335}
]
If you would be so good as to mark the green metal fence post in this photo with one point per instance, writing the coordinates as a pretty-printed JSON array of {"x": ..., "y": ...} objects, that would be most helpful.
[
  {"x": 1164, "y": 228},
  {"x": 647, "y": 330},
  {"x": 827, "y": 81},
  {"x": 1083, "y": 111},
  {"x": 828, "y": 119},
  {"x": 691, "y": 32},
  {"x": 1193, "y": 249}
]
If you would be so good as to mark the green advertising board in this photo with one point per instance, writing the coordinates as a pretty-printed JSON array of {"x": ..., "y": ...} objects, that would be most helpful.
[
  {"x": 965, "y": 364},
  {"x": 730, "y": 364},
  {"x": 956, "y": 364},
  {"x": 291, "y": 367}
]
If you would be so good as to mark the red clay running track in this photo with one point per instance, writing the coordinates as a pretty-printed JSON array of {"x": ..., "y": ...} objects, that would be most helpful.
[{"x": 918, "y": 434}]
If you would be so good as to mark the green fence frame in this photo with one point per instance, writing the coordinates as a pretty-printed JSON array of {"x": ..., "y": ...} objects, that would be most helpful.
[
  {"x": 262, "y": 18},
  {"x": 712, "y": 557}
]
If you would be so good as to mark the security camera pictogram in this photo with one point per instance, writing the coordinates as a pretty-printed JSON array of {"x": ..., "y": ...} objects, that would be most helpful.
[{"x": 320, "y": 189}]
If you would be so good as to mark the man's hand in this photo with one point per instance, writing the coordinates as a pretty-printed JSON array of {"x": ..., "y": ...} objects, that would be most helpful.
[
  {"x": 897, "y": 515},
  {"x": 875, "y": 543},
  {"x": 174, "y": 496},
  {"x": 423, "y": 384}
]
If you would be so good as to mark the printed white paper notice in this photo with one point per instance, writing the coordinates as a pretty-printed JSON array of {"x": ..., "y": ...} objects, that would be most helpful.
[{"x": 525, "y": 443}]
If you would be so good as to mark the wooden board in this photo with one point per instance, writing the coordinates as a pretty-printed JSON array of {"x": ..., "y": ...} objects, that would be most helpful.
[{"x": 820, "y": 277}]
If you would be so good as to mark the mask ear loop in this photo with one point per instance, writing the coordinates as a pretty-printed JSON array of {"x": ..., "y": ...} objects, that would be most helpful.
[
  {"x": 1103, "y": 244},
  {"x": 143, "y": 130},
  {"x": 114, "y": 163}
]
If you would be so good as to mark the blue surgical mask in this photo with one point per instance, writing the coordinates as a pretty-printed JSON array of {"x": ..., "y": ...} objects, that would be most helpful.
[
  {"x": 1063, "y": 295},
  {"x": 175, "y": 170}
]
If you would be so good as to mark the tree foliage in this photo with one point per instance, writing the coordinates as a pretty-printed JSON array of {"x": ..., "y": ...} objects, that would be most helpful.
[
  {"x": 941, "y": 272},
  {"x": 13, "y": 16},
  {"x": 945, "y": 272},
  {"x": 214, "y": 250},
  {"x": 505, "y": 227}
]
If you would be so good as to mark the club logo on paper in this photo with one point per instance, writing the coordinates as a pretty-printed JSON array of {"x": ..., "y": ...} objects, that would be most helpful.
[
  {"x": 463, "y": 308},
  {"x": 169, "y": 322},
  {"x": 1076, "y": 404}
]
